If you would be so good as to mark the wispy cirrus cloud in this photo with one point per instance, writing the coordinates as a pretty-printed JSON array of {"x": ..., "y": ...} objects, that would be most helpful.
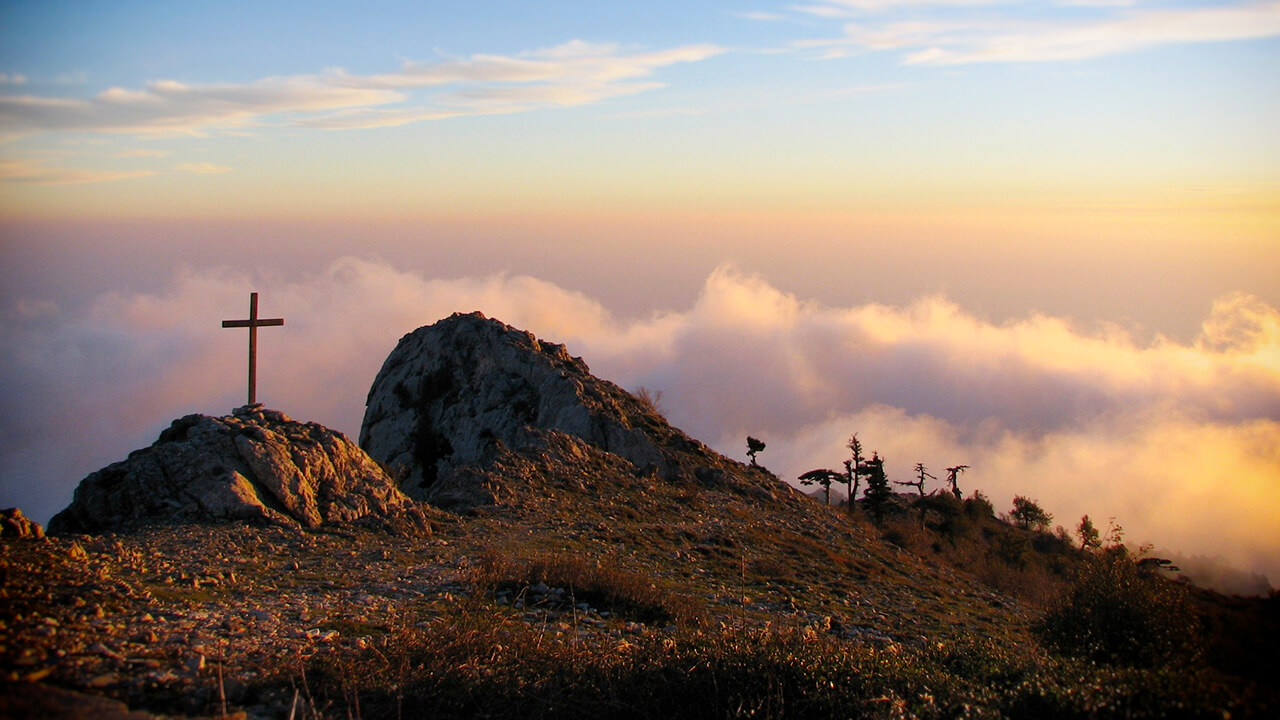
[
  {"x": 574, "y": 73},
  {"x": 851, "y": 8},
  {"x": 168, "y": 107},
  {"x": 141, "y": 153},
  {"x": 1093, "y": 29},
  {"x": 34, "y": 172},
  {"x": 202, "y": 168},
  {"x": 759, "y": 15}
]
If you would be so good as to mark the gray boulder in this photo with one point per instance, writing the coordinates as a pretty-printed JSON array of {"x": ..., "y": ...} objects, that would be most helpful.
[
  {"x": 455, "y": 399},
  {"x": 255, "y": 464}
]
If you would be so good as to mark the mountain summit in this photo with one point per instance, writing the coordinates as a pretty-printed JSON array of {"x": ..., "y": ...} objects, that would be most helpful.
[
  {"x": 255, "y": 464},
  {"x": 456, "y": 398}
]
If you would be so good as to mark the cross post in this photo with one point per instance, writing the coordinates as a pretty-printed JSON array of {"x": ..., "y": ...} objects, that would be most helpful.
[{"x": 253, "y": 323}]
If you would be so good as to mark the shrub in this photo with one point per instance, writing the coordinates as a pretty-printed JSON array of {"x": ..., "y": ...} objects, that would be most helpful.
[
  {"x": 1027, "y": 514},
  {"x": 979, "y": 506},
  {"x": 1115, "y": 612}
]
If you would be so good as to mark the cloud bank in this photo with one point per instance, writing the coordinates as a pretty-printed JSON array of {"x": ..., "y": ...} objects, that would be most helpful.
[{"x": 1179, "y": 441}]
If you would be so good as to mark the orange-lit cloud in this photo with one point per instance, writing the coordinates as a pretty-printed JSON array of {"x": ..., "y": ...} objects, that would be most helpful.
[
  {"x": 36, "y": 172},
  {"x": 1179, "y": 441},
  {"x": 203, "y": 168}
]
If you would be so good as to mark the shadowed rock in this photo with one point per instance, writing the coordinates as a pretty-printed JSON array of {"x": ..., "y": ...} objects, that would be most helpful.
[{"x": 255, "y": 464}]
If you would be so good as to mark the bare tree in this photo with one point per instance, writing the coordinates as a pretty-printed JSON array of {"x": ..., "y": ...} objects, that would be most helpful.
[
  {"x": 952, "y": 474},
  {"x": 918, "y": 483}
]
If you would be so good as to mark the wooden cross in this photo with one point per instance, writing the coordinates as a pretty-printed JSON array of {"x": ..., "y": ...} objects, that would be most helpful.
[{"x": 253, "y": 323}]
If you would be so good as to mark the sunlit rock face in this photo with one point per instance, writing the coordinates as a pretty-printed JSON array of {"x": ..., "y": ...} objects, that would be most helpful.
[
  {"x": 16, "y": 525},
  {"x": 467, "y": 391},
  {"x": 255, "y": 464}
]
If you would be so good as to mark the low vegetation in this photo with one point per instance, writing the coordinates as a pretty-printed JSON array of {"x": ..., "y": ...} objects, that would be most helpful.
[
  {"x": 601, "y": 584},
  {"x": 475, "y": 664}
]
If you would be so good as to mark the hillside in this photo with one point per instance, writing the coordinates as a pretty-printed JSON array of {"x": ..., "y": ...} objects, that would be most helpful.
[{"x": 566, "y": 579}]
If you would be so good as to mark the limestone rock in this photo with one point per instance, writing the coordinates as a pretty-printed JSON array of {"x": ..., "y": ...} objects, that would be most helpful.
[
  {"x": 14, "y": 524},
  {"x": 255, "y": 464},
  {"x": 456, "y": 397}
]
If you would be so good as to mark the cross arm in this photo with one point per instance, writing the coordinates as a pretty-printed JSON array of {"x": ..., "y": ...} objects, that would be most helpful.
[{"x": 265, "y": 322}]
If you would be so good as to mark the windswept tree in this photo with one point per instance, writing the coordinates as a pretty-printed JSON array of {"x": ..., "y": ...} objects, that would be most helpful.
[
  {"x": 878, "y": 492},
  {"x": 855, "y": 468},
  {"x": 1028, "y": 515},
  {"x": 918, "y": 483},
  {"x": 823, "y": 477},
  {"x": 754, "y": 446},
  {"x": 953, "y": 474}
]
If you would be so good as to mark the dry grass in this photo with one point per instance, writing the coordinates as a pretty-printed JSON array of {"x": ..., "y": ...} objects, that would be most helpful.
[
  {"x": 477, "y": 664},
  {"x": 603, "y": 584}
]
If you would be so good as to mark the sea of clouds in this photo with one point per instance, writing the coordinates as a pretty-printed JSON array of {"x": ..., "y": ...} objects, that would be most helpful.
[{"x": 1180, "y": 442}]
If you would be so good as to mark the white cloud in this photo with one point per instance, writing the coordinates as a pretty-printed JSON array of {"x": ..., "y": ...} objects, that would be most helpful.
[
  {"x": 12, "y": 79},
  {"x": 1107, "y": 29},
  {"x": 759, "y": 16},
  {"x": 167, "y": 107},
  {"x": 845, "y": 8},
  {"x": 1181, "y": 442},
  {"x": 574, "y": 73},
  {"x": 202, "y": 168}
]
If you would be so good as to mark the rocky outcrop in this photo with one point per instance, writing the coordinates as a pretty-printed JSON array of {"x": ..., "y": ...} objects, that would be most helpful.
[
  {"x": 16, "y": 525},
  {"x": 456, "y": 397},
  {"x": 255, "y": 464}
]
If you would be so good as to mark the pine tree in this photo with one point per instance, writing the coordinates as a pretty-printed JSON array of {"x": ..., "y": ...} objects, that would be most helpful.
[
  {"x": 754, "y": 446},
  {"x": 855, "y": 468},
  {"x": 878, "y": 492},
  {"x": 823, "y": 477},
  {"x": 1089, "y": 538}
]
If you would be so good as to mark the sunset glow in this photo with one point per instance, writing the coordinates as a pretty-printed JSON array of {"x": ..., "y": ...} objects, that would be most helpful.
[{"x": 1042, "y": 239}]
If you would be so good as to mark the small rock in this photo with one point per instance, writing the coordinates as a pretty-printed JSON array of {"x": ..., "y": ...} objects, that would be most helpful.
[
  {"x": 100, "y": 649},
  {"x": 104, "y": 680}
]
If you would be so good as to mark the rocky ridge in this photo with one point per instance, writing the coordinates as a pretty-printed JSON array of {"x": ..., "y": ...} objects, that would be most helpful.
[
  {"x": 457, "y": 398},
  {"x": 255, "y": 464}
]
